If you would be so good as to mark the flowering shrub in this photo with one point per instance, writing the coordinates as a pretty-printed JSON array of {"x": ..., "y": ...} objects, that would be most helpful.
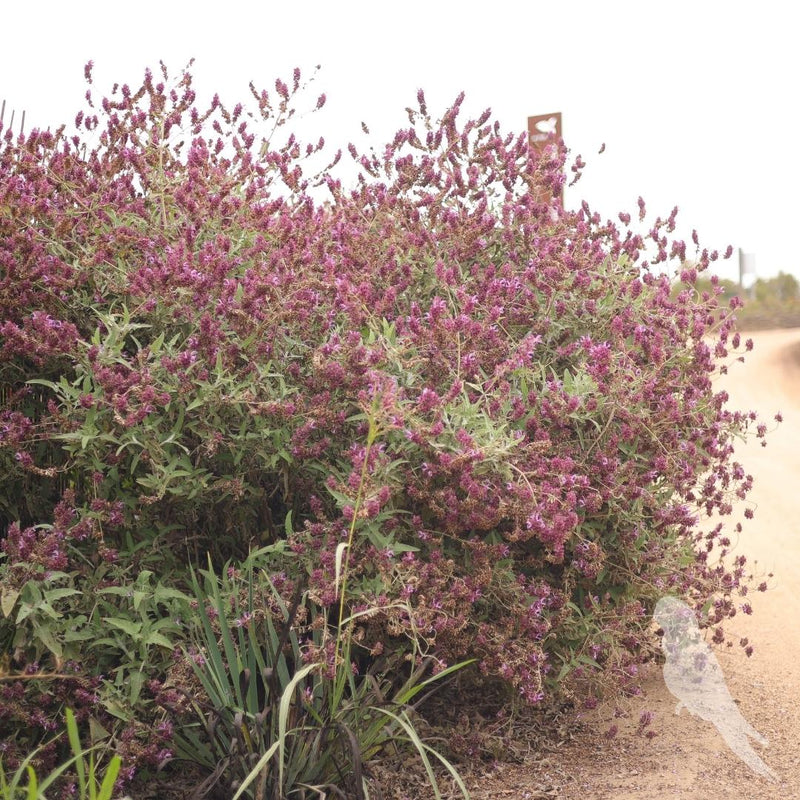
[{"x": 492, "y": 412}]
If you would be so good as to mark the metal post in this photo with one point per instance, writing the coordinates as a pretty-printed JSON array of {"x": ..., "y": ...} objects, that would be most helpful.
[
  {"x": 741, "y": 271},
  {"x": 11, "y": 121}
]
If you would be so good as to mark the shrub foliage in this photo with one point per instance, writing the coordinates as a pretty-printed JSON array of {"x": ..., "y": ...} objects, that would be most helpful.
[{"x": 492, "y": 414}]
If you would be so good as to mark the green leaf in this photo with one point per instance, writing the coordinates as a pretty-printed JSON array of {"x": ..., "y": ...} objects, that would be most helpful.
[
  {"x": 164, "y": 593},
  {"x": 116, "y": 709},
  {"x": 130, "y": 627},
  {"x": 159, "y": 639},
  {"x": 58, "y": 594},
  {"x": 96, "y": 731},
  {"x": 79, "y": 634},
  {"x": 46, "y": 637},
  {"x": 105, "y": 640},
  {"x": 42, "y": 382},
  {"x": 119, "y": 591},
  {"x": 8, "y": 599},
  {"x": 135, "y": 683},
  {"x": 49, "y": 610},
  {"x": 157, "y": 344}
]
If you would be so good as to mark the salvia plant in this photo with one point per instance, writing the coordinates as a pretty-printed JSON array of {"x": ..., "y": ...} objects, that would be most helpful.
[{"x": 478, "y": 423}]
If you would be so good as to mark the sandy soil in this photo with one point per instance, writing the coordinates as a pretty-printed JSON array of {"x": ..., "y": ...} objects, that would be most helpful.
[{"x": 688, "y": 758}]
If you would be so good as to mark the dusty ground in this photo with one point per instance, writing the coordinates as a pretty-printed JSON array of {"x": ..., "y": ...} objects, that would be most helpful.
[{"x": 688, "y": 758}]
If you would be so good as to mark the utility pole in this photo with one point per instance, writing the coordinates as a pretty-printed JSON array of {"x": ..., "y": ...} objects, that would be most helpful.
[{"x": 747, "y": 266}]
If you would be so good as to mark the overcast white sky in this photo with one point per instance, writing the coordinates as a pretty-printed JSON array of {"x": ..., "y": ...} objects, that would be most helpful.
[{"x": 696, "y": 101}]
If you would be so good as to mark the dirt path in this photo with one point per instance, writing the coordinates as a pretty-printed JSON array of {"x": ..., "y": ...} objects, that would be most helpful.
[{"x": 688, "y": 758}]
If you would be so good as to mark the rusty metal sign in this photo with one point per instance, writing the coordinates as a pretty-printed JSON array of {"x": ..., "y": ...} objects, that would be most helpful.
[{"x": 545, "y": 131}]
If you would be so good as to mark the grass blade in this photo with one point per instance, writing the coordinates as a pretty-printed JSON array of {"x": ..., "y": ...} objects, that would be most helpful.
[
  {"x": 423, "y": 750},
  {"x": 283, "y": 716},
  {"x": 33, "y": 785},
  {"x": 407, "y": 692},
  {"x": 56, "y": 773},
  {"x": 450, "y": 768},
  {"x": 213, "y": 653},
  {"x": 413, "y": 737},
  {"x": 110, "y": 778},
  {"x": 77, "y": 750},
  {"x": 227, "y": 640},
  {"x": 256, "y": 771}
]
